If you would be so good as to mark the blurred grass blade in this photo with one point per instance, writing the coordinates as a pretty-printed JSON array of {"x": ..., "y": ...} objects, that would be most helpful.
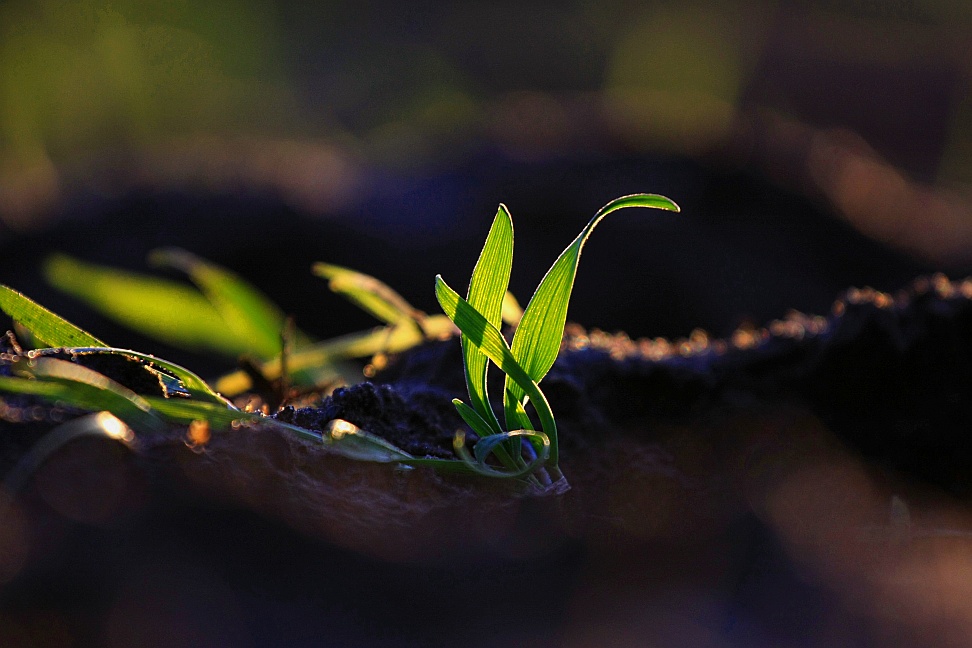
[
  {"x": 541, "y": 329},
  {"x": 88, "y": 389},
  {"x": 487, "y": 337},
  {"x": 249, "y": 315},
  {"x": 48, "y": 328},
  {"x": 222, "y": 418},
  {"x": 354, "y": 345},
  {"x": 165, "y": 310},
  {"x": 368, "y": 293},
  {"x": 102, "y": 424},
  {"x": 348, "y": 440},
  {"x": 487, "y": 288}
]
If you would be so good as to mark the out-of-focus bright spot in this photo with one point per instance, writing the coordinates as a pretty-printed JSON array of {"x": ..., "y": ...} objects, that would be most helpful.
[
  {"x": 676, "y": 77},
  {"x": 198, "y": 434},
  {"x": 339, "y": 428},
  {"x": 882, "y": 203},
  {"x": 114, "y": 427}
]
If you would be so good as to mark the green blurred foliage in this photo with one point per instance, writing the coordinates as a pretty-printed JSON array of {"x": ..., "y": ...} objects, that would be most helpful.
[{"x": 96, "y": 74}]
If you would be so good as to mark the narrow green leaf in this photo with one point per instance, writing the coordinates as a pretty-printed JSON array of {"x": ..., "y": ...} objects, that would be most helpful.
[
  {"x": 222, "y": 418},
  {"x": 48, "y": 328},
  {"x": 483, "y": 429},
  {"x": 368, "y": 293},
  {"x": 541, "y": 329},
  {"x": 196, "y": 386},
  {"x": 165, "y": 310},
  {"x": 519, "y": 419},
  {"x": 363, "y": 344},
  {"x": 473, "y": 419},
  {"x": 487, "y": 446},
  {"x": 494, "y": 443},
  {"x": 88, "y": 389},
  {"x": 487, "y": 337},
  {"x": 247, "y": 312},
  {"x": 487, "y": 287},
  {"x": 351, "y": 441}
]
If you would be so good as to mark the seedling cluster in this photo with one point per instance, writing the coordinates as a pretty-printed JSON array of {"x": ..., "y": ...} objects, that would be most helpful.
[{"x": 227, "y": 315}]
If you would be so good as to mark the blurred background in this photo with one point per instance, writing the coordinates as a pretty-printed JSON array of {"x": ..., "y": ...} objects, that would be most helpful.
[{"x": 813, "y": 145}]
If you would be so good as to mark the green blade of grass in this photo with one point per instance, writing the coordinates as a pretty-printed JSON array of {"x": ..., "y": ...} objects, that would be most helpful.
[
  {"x": 494, "y": 443},
  {"x": 165, "y": 310},
  {"x": 363, "y": 344},
  {"x": 88, "y": 389},
  {"x": 368, "y": 293},
  {"x": 222, "y": 418},
  {"x": 487, "y": 337},
  {"x": 487, "y": 288},
  {"x": 196, "y": 386},
  {"x": 541, "y": 329},
  {"x": 351, "y": 441},
  {"x": 248, "y": 313},
  {"x": 473, "y": 419},
  {"x": 46, "y": 327}
]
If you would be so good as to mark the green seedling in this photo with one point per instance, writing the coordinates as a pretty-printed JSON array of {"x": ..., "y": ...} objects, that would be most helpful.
[{"x": 527, "y": 360}]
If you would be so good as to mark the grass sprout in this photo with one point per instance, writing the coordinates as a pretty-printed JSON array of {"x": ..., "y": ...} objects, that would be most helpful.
[{"x": 534, "y": 348}]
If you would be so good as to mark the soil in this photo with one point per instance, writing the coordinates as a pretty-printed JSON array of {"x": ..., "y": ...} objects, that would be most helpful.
[{"x": 802, "y": 484}]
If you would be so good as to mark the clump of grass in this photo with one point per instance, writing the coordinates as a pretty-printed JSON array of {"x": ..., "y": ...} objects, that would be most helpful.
[
  {"x": 520, "y": 446},
  {"x": 227, "y": 315}
]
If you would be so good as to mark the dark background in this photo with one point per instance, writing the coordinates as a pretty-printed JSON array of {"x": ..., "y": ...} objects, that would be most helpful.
[{"x": 812, "y": 146}]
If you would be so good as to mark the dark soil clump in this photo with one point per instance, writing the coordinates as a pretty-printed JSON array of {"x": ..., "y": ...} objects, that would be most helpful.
[{"x": 418, "y": 419}]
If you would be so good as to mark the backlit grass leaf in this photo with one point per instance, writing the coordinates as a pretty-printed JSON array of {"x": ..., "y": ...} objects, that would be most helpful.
[
  {"x": 541, "y": 329},
  {"x": 368, "y": 293},
  {"x": 473, "y": 419},
  {"x": 165, "y": 310},
  {"x": 197, "y": 387},
  {"x": 247, "y": 312},
  {"x": 46, "y": 327},
  {"x": 487, "y": 288},
  {"x": 364, "y": 344},
  {"x": 88, "y": 389},
  {"x": 350, "y": 441},
  {"x": 487, "y": 337}
]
